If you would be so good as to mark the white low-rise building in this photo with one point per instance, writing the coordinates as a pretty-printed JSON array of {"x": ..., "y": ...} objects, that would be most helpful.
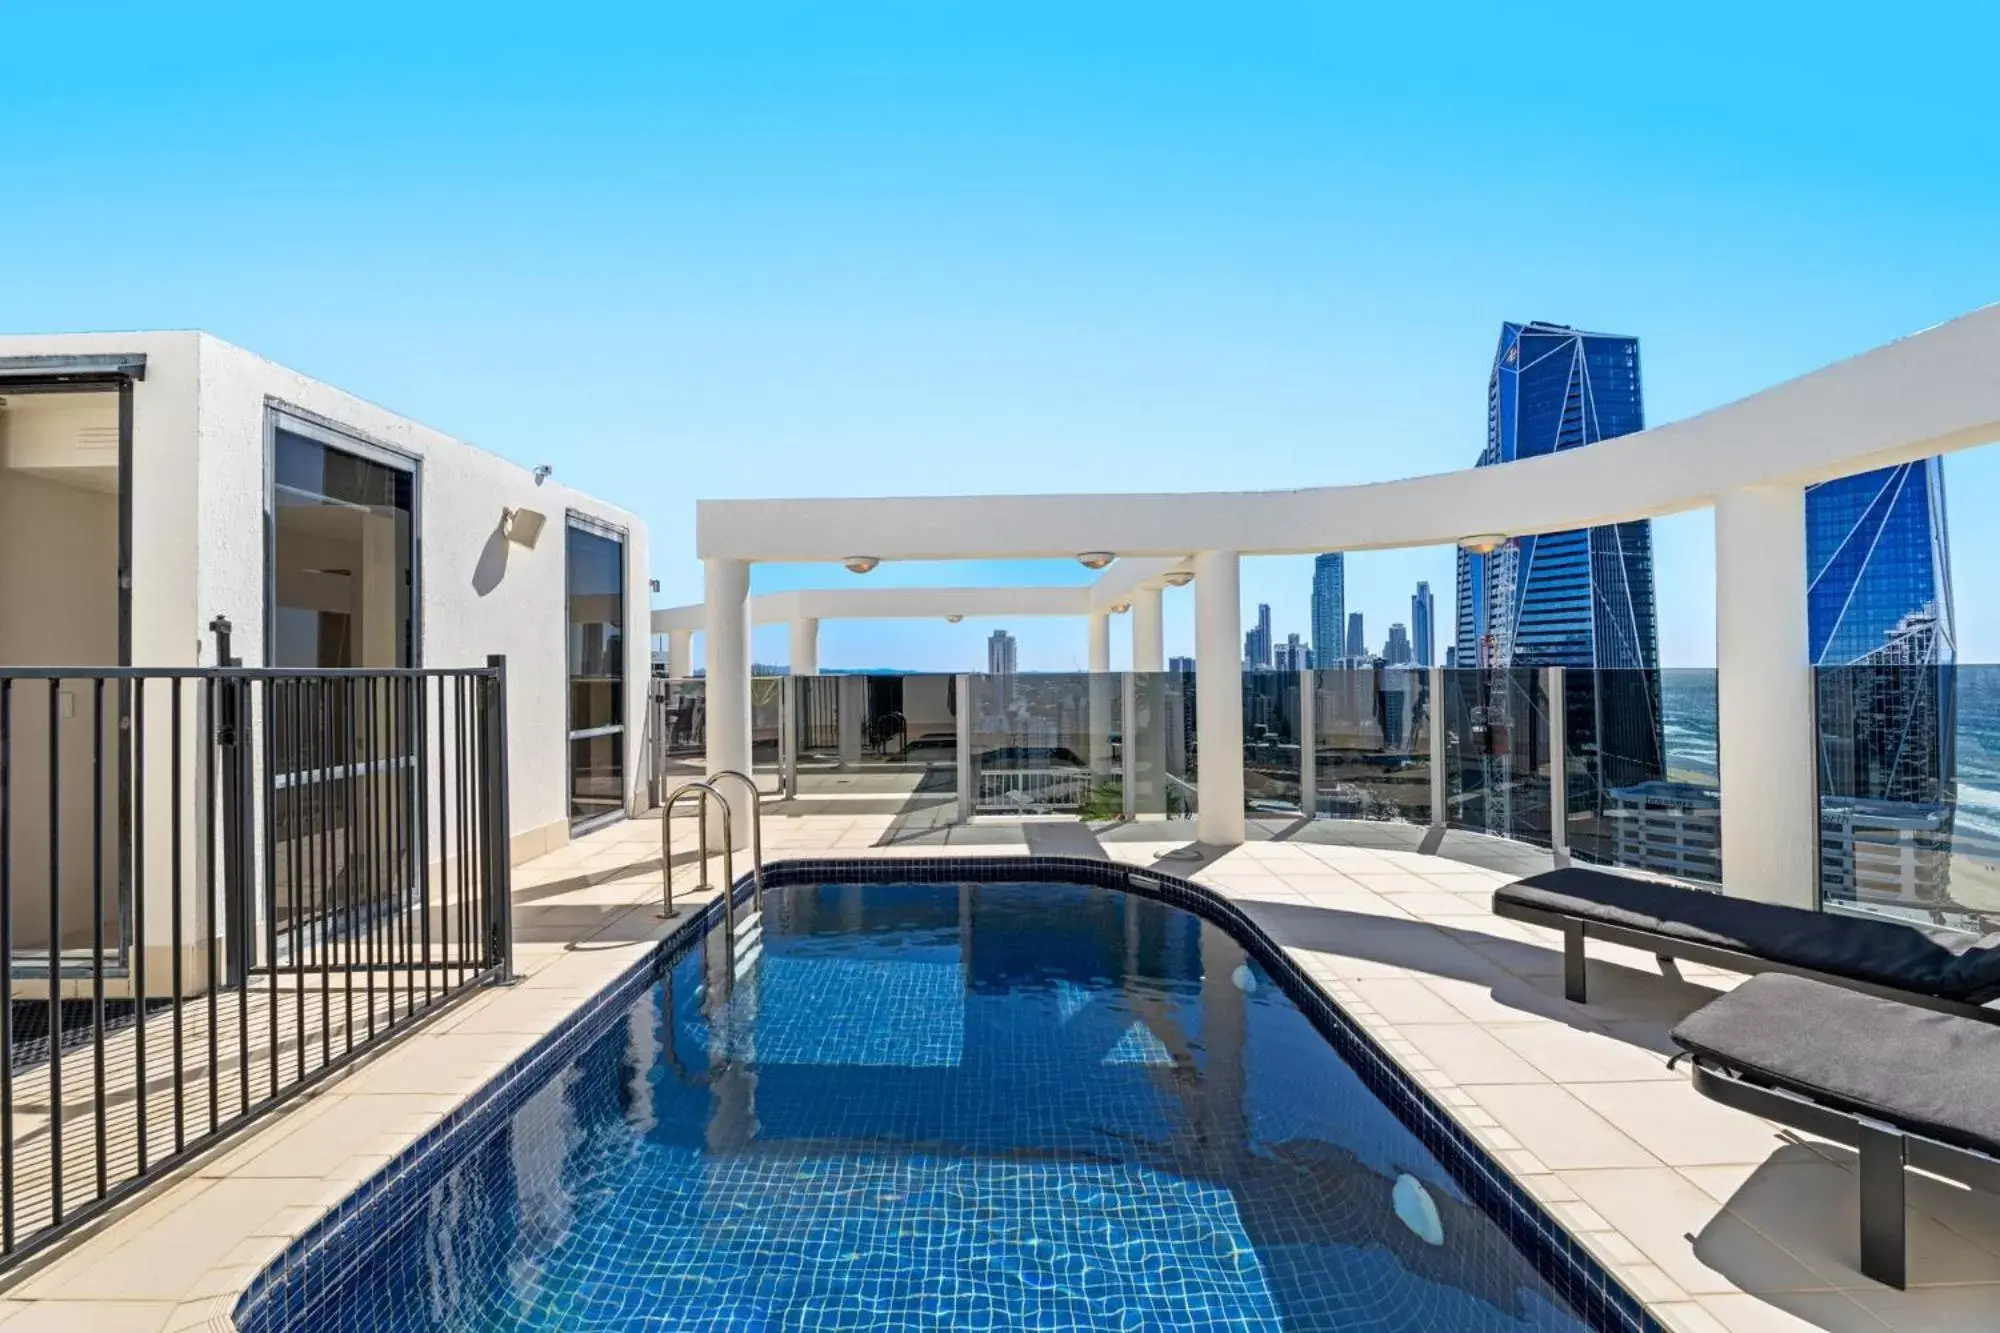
[{"x": 154, "y": 486}]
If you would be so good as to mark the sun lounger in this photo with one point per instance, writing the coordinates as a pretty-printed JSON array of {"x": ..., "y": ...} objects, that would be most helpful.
[
  {"x": 1940, "y": 969},
  {"x": 1903, "y": 1085}
]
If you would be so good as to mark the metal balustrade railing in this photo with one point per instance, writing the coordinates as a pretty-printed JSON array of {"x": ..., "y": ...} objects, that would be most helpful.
[{"x": 217, "y": 887}]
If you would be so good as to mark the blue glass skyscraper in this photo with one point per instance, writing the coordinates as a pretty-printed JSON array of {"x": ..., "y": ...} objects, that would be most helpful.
[
  {"x": 1329, "y": 608},
  {"x": 1882, "y": 632},
  {"x": 1581, "y": 599},
  {"x": 1423, "y": 624}
]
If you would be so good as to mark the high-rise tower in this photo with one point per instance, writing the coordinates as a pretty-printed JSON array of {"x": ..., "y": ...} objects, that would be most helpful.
[
  {"x": 1581, "y": 599},
  {"x": 1329, "y": 608},
  {"x": 1879, "y": 604},
  {"x": 1423, "y": 622}
]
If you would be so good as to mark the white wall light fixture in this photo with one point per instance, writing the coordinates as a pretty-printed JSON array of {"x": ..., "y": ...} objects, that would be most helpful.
[{"x": 523, "y": 527}]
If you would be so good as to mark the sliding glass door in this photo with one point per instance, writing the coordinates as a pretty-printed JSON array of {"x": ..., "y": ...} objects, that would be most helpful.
[
  {"x": 342, "y": 783},
  {"x": 596, "y": 559}
]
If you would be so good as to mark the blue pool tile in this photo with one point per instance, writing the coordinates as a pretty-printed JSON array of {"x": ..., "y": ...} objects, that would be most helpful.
[{"x": 928, "y": 1108}]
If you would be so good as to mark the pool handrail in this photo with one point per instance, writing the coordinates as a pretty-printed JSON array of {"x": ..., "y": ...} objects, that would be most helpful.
[
  {"x": 701, "y": 792},
  {"x": 756, "y": 821}
]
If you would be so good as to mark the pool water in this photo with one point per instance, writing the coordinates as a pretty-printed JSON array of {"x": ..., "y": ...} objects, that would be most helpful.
[{"x": 938, "y": 1106}]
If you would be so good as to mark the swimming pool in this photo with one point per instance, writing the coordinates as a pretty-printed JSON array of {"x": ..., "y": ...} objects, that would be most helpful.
[{"x": 988, "y": 1095}]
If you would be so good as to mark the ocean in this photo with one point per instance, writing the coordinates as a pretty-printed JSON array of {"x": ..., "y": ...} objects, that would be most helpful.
[{"x": 1687, "y": 702}]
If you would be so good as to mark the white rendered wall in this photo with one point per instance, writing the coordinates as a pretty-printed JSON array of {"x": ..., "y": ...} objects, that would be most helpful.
[{"x": 461, "y": 492}]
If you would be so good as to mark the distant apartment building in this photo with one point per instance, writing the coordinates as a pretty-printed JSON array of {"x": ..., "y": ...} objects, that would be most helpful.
[
  {"x": 1357, "y": 640},
  {"x": 1581, "y": 599},
  {"x": 1667, "y": 828},
  {"x": 1292, "y": 655},
  {"x": 1423, "y": 625},
  {"x": 1183, "y": 665},
  {"x": 1329, "y": 608},
  {"x": 1396, "y": 651}
]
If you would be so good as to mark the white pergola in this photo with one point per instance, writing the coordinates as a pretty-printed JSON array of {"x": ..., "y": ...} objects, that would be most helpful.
[{"x": 1750, "y": 461}]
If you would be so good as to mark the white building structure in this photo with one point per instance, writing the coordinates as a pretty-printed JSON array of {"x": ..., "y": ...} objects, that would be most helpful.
[
  {"x": 154, "y": 483},
  {"x": 1750, "y": 461}
]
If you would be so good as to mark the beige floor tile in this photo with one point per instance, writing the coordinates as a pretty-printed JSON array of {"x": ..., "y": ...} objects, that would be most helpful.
[
  {"x": 1658, "y": 1211},
  {"x": 165, "y": 1262},
  {"x": 447, "y": 1063},
  {"x": 1507, "y": 999},
  {"x": 1797, "y": 1312},
  {"x": 1812, "y": 1208},
  {"x": 91, "y": 1317},
  {"x": 1558, "y": 1128},
  {"x": 1404, "y": 1000},
  {"x": 351, "y": 1125},
  {"x": 1967, "y": 1309},
  {"x": 1572, "y": 1055},
  {"x": 1468, "y": 1054},
  {"x": 1680, "y": 1126}
]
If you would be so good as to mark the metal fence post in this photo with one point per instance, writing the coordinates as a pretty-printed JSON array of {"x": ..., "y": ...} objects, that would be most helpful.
[
  {"x": 788, "y": 736},
  {"x": 968, "y": 798},
  {"x": 1557, "y": 708},
  {"x": 233, "y": 778},
  {"x": 499, "y": 823},
  {"x": 1308, "y": 746},
  {"x": 1439, "y": 715},
  {"x": 1128, "y": 748}
]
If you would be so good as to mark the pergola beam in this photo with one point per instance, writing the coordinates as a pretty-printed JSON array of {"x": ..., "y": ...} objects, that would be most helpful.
[{"x": 1930, "y": 393}]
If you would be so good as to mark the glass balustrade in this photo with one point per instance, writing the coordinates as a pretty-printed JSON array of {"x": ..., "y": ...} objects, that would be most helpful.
[
  {"x": 1272, "y": 751},
  {"x": 1908, "y": 760},
  {"x": 1047, "y": 745},
  {"x": 1372, "y": 743},
  {"x": 1908, "y": 770},
  {"x": 1640, "y": 771},
  {"x": 1497, "y": 752}
]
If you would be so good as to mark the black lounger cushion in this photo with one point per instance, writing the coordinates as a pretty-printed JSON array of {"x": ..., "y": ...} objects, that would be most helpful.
[
  {"x": 1942, "y": 963},
  {"x": 1925, "y": 1072}
]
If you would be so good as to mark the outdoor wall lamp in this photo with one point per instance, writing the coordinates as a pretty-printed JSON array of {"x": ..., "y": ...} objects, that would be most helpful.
[
  {"x": 523, "y": 527},
  {"x": 542, "y": 472},
  {"x": 1094, "y": 559},
  {"x": 1178, "y": 578},
  {"x": 1484, "y": 544},
  {"x": 953, "y": 620},
  {"x": 860, "y": 564},
  {"x": 1120, "y": 608}
]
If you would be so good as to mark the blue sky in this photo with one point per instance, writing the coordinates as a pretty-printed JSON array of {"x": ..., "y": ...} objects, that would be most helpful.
[{"x": 686, "y": 251}]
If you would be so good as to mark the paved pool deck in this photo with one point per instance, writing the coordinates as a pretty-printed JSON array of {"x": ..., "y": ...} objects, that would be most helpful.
[{"x": 1717, "y": 1219}]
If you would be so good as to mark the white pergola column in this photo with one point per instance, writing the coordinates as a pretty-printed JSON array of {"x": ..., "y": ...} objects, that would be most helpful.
[
  {"x": 1218, "y": 666},
  {"x": 805, "y": 646},
  {"x": 680, "y": 652},
  {"x": 1100, "y": 693},
  {"x": 726, "y": 593},
  {"x": 1149, "y": 642},
  {"x": 1764, "y": 719}
]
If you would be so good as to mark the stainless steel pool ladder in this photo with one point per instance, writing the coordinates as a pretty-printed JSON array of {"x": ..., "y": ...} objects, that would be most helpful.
[{"x": 701, "y": 791}]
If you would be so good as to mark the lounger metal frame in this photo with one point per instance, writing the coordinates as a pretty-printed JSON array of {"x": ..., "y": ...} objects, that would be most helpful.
[
  {"x": 1884, "y": 1150},
  {"x": 1576, "y": 929}
]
